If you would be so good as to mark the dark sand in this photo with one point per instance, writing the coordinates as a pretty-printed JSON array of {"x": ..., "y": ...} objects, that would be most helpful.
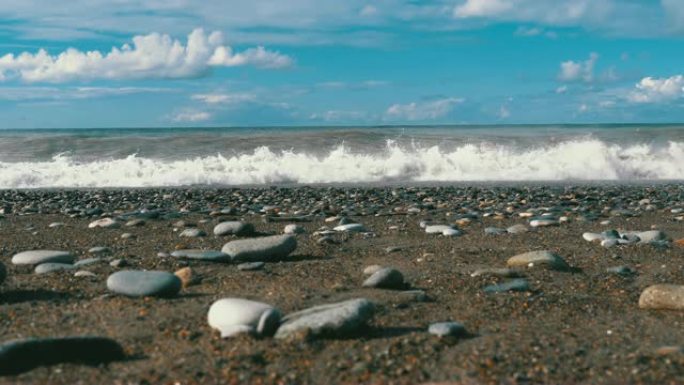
[{"x": 573, "y": 327}]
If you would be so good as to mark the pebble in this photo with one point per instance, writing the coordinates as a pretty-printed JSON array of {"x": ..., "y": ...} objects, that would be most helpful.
[
  {"x": 19, "y": 356},
  {"x": 36, "y": 257},
  {"x": 538, "y": 258},
  {"x": 447, "y": 329},
  {"x": 84, "y": 273},
  {"x": 138, "y": 283},
  {"x": 193, "y": 232},
  {"x": 99, "y": 250},
  {"x": 187, "y": 276},
  {"x": 127, "y": 236},
  {"x": 233, "y": 316},
  {"x": 386, "y": 278},
  {"x": 271, "y": 248},
  {"x": 591, "y": 237},
  {"x": 52, "y": 266},
  {"x": 650, "y": 236},
  {"x": 55, "y": 224},
  {"x": 662, "y": 297},
  {"x": 437, "y": 229},
  {"x": 517, "y": 229},
  {"x": 669, "y": 350},
  {"x": 135, "y": 222},
  {"x": 351, "y": 228},
  {"x": 87, "y": 261},
  {"x": 293, "y": 228},
  {"x": 610, "y": 242},
  {"x": 451, "y": 232},
  {"x": 543, "y": 222},
  {"x": 104, "y": 223},
  {"x": 251, "y": 266},
  {"x": 620, "y": 270},
  {"x": 335, "y": 320},
  {"x": 233, "y": 228},
  {"x": 205, "y": 255},
  {"x": 518, "y": 284}
]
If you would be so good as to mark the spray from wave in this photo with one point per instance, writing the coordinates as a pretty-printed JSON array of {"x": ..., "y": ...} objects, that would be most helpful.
[{"x": 585, "y": 159}]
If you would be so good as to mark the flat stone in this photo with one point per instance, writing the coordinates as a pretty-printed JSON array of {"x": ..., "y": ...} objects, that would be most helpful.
[
  {"x": 328, "y": 321},
  {"x": 591, "y": 237},
  {"x": 87, "y": 261},
  {"x": 544, "y": 222},
  {"x": 385, "y": 278},
  {"x": 451, "y": 232},
  {"x": 233, "y": 228},
  {"x": 192, "y": 233},
  {"x": 294, "y": 229},
  {"x": 351, "y": 228},
  {"x": 99, "y": 250},
  {"x": 138, "y": 283},
  {"x": 52, "y": 266},
  {"x": 538, "y": 258},
  {"x": 84, "y": 273},
  {"x": 370, "y": 270},
  {"x": 36, "y": 257},
  {"x": 517, "y": 229},
  {"x": 128, "y": 236},
  {"x": 104, "y": 223},
  {"x": 55, "y": 225},
  {"x": 135, "y": 222},
  {"x": 518, "y": 284},
  {"x": 19, "y": 356},
  {"x": 662, "y": 297},
  {"x": 437, "y": 229},
  {"x": 650, "y": 236},
  {"x": 251, "y": 266},
  {"x": 495, "y": 271},
  {"x": 275, "y": 247},
  {"x": 205, "y": 255},
  {"x": 232, "y": 316},
  {"x": 447, "y": 329}
]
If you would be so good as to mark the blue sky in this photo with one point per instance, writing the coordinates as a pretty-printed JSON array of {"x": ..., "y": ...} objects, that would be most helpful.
[{"x": 96, "y": 63}]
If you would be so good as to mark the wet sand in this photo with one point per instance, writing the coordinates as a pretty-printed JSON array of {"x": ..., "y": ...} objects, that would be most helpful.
[{"x": 581, "y": 326}]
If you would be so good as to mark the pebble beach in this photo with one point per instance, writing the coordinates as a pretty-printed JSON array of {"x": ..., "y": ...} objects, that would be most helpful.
[{"x": 491, "y": 284}]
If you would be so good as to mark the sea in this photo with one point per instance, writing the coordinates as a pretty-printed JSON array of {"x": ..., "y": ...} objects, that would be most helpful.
[{"x": 258, "y": 156}]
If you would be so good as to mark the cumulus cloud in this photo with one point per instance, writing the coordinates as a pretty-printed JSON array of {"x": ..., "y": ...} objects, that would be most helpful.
[
  {"x": 654, "y": 90},
  {"x": 429, "y": 110},
  {"x": 571, "y": 71},
  {"x": 150, "y": 56},
  {"x": 191, "y": 117}
]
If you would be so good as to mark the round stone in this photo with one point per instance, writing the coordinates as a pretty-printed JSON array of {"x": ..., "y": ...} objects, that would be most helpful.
[
  {"x": 385, "y": 278},
  {"x": 232, "y": 316},
  {"x": 662, "y": 297},
  {"x": 137, "y": 283},
  {"x": 36, "y": 257},
  {"x": 538, "y": 258}
]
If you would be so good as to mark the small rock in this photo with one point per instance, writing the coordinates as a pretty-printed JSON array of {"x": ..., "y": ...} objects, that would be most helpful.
[
  {"x": 262, "y": 249},
  {"x": 104, "y": 223},
  {"x": 332, "y": 321},
  {"x": 662, "y": 297},
  {"x": 517, "y": 229},
  {"x": 205, "y": 255},
  {"x": 36, "y": 257},
  {"x": 386, "y": 278},
  {"x": 451, "y": 232},
  {"x": 52, "y": 266},
  {"x": 84, "y": 273},
  {"x": 447, "y": 329},
  {"x": 127, "y": 236},
  {"x": 187, "y": 277},
  {"x": 591, "y": 237},
  {"x": 99, "y": 250},
  {"x": 87, "y": 261},
  {"x": 135, "y": 222},
  {"x": 437, "y": 229},
  {"x": 539, "y": 258},
  {"x": 193, "y": 232},
  {"x": 351, "y": 228},
  {"x": 620, "y": 270},
  {"x": 138, "y": 283},
  {"x": 497, "y": 272},
  {"x": 55, "y": 225},
  {"x": 370, "y": 270},
  {"x": 669, "y": 350},
  {"x": 232, "y": 316},
  {"x": 543, "y": 222},
  {"x": 233, "y": 228}
]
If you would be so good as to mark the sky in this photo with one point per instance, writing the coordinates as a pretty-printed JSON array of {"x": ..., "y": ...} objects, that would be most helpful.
[{"x": 166, "y": 63}]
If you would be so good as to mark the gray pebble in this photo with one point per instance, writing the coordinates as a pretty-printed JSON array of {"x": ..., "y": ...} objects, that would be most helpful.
[{"x": 138, "y": 283}]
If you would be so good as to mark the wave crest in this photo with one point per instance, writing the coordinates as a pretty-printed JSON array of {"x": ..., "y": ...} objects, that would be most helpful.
[{"x": 587, "y": 159}]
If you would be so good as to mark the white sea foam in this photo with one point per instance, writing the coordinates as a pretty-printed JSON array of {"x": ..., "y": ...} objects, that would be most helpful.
[{"x": 585, "y": 159}]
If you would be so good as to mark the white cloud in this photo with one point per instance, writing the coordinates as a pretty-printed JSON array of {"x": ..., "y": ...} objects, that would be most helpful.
[
  {"x": 224, "y": 98},
  {"x": 654, "y": 90},
  {"x": 562, "y": 89},
  {"x": 571, "y": 71},
  {"x": 151, "y": 56},
  {"x": 422, "y": 111},
  {"x": 556, "y": 12},
  {"x": 71, "y": 93},
  {"x": 483, "y": 8},
  {"x": 192, "y": 117}
]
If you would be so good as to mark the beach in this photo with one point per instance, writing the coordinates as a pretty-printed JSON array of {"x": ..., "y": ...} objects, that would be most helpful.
[{"x": 579, "y": 324}]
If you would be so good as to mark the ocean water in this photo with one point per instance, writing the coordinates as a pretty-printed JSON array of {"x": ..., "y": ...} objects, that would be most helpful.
[{"x": 346, "y": 155}]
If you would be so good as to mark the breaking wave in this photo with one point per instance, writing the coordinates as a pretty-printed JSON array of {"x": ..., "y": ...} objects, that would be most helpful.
[{"x": 585, "y": 159}]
